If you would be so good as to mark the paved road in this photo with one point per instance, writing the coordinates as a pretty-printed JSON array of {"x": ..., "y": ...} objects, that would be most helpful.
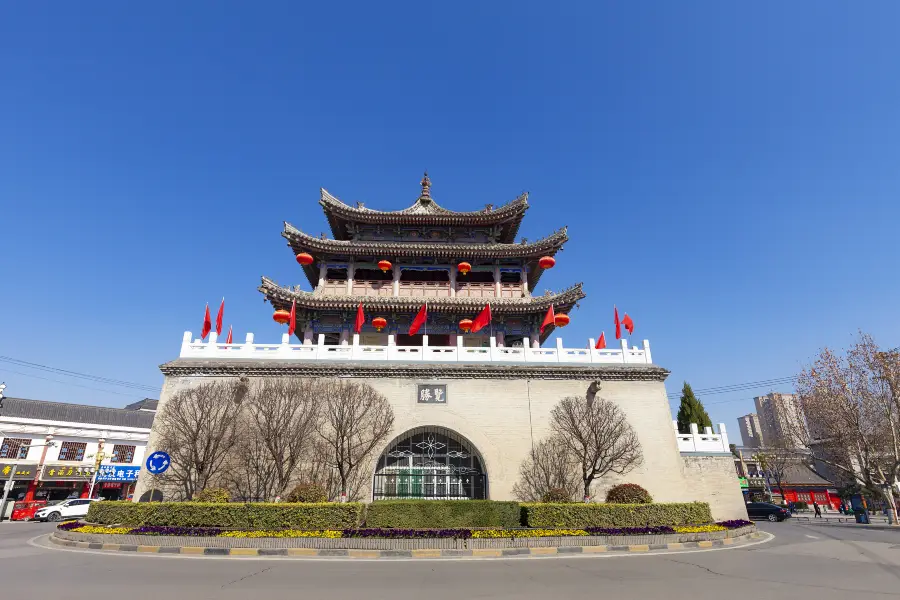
[{"x": 803, "y": 561}]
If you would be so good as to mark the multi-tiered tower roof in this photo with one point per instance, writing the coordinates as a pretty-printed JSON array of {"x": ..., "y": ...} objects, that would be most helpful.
[{"x": 394, "y": 262}]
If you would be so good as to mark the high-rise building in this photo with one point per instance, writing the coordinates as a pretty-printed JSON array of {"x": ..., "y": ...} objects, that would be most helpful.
[
  {"x": 780, "y": 419},
  {"x": 751, "y": 432}
]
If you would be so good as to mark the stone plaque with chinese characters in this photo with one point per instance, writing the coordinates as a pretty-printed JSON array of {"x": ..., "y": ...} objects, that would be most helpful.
[{"x": 432, "y": 393}]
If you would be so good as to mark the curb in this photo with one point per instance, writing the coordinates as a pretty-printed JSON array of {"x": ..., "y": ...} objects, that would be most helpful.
[{"x": 395, "y": 554}]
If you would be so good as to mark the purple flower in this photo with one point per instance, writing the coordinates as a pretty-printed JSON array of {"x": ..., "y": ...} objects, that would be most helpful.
[
  {"x": 180, "y": 531},
  {"x": 68, "y": 525},
  {"x": 734, "y": 524},
  {"x": 661, "y": 529},
  {"x": 378, "y": 532}
]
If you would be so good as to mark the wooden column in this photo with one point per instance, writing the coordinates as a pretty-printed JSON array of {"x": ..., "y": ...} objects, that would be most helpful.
[
  {"x": 351, "y": 272},
  {"x": 452, "y": 281}
]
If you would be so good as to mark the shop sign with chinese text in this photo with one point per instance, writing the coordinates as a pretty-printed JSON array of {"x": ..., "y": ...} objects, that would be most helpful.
[
  {"x": 63, "y": 473},
  {"x": 118, "y": 473},
  {"x": 432, "y": 393},
  {"x": 23, "y": 472}
]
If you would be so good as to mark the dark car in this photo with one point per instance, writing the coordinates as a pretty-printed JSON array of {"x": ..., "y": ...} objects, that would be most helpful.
[{"x": 764, "y": 510}]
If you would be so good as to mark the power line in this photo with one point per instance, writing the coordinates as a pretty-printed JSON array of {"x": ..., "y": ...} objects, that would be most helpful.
[
  {"x": 739, "y": 387},
  {"x": 67, "y": 383},
  {"x": 78, "y": 375}
]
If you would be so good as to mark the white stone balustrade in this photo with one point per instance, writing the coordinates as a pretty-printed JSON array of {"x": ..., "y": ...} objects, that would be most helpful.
[
  {"x": 702, "y": 442},
  {"x": 424, "y": 353}
]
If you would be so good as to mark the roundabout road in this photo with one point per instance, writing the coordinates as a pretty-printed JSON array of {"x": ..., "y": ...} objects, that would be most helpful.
[{"x": 803, "y": 561}]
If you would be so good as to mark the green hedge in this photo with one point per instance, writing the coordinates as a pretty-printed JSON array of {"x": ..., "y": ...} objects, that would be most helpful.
[
  {"x": 325, "y": 515},
  {"x": 427, "y": 514},
  {"x": 577, "y": 516}
]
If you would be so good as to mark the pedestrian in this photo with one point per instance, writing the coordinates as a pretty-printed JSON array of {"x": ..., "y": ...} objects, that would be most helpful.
[
  {"x": 841, "y": 508},
  {"x": 818, "y": 510}
]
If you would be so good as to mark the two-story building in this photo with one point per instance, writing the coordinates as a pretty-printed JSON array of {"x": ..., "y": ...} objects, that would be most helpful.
[{"x": 51, "y": 450}]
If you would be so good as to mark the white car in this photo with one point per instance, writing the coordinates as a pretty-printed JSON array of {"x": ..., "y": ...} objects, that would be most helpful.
[{"x": 70, "y": 509}]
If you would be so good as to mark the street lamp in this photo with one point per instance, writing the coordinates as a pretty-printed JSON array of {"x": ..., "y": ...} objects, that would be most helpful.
[{"x": 2, "y": 387}]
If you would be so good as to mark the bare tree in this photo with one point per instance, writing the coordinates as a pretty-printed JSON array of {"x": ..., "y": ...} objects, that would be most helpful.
[
  {"x": 548, "y": 466},
  {"x": 598, "y": 436},
  {"x": 283, "y": 415},
  {"x": 249, "y": 471},
  {"x": 774, "y": 461},
  {"x": 198, "y": 428},
  {"x": 851, "y": 405},
  {"x": 355, "y": 421}
]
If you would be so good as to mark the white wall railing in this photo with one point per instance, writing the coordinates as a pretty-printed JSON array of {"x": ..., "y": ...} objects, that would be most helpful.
[
  {"x": 702, "y": 442},
  {"x": 432, "y": 354}
]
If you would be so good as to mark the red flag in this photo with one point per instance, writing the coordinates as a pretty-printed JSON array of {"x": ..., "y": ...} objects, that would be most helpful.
[
  {"x": 628, "y": 323},
  {"x": 618, "y": 325},
  {"x": 548, "y": 318},
  {"x": 228, "y": 339},
  {"x": 419, "y": 320},
  {"x": 219, "y": 317},
  {"x": 601, "y": 343},
  {"x": 207, "y": 324},
  {"x": 360, "y": 318},
  {"x": 293, "y": 322},
  {"x": 482, "y": 320}
]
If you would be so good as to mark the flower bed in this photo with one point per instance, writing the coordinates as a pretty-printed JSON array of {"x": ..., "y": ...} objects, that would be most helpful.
[{"x": 379, "y": 533}]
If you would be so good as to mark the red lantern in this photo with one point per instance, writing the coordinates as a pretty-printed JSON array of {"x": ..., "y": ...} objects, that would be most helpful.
[
  {"x": 465, "y": 325},
  {"x": 547, "y": 262},
  {"x": 379, "y": 322},
  {"x": 385, "y": 265},
  {"x": 282, "y": 316},
  {"x": 304, "y": 259},
  {"x": 561, "y": 320},
  {"x": 464, "y": 267}
]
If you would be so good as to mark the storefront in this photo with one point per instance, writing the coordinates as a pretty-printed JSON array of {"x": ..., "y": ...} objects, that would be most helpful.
[
  {"x": 59, "y": 482},
  {"x": 116, "y": 482},
  {"x": 22, "y": 478}
]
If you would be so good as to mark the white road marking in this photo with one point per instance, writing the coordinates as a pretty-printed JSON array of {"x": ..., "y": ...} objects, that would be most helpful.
[{"x": 812, "y": 537}]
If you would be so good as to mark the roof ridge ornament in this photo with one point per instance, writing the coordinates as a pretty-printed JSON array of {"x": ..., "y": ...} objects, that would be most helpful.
[{"x": 425, "y": 196}]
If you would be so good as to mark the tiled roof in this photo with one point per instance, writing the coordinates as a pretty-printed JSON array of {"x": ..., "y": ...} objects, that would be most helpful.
[
  {"x": 282, "y": 297},
  {"x": 424, "y": 211},
  {"x": 801, "y": 475},
  {"x": 75, "y": 413},
  {"x": 145, "y": 404},
  {"x": 302, "y": 242}
]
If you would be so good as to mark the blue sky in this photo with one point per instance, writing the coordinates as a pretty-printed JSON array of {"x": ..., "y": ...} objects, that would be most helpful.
[{"x": 728, "y": 172}]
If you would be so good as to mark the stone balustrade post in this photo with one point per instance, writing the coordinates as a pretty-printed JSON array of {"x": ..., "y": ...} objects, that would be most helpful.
[
  {"x": 695, "y": 433},
  {"x": 624, "y": 350},
  {"x": 647, "y": 357},
  {"x": 723, "y": 434}
]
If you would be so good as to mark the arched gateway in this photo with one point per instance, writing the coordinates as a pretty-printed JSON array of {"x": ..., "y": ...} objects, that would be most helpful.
[{"x": 430, "y": 463}]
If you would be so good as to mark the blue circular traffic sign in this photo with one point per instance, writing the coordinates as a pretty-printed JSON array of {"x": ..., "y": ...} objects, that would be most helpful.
[{"x": 158, "y": 462}]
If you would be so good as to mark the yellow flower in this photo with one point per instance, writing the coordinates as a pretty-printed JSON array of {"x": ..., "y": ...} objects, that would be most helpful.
[
  {"x": 698, "y": 528},
  {"x": 526, "y": 533},
  {"x": 103, "y": 530}
]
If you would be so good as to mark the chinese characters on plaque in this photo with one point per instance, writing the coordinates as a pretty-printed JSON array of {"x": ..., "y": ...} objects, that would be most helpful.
[{"x": 432, "y": 393}]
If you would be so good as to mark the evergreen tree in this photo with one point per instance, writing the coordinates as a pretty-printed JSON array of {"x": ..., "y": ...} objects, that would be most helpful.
[{"x": 691, "y": 411}]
